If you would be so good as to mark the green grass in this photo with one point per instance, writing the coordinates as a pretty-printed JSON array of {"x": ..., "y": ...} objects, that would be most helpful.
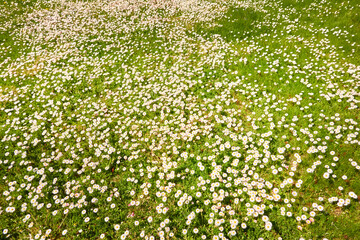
[{"x": 140, "y": 100}]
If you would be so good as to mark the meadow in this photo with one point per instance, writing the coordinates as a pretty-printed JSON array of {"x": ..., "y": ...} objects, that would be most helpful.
[{"x": 180, "y": 119}]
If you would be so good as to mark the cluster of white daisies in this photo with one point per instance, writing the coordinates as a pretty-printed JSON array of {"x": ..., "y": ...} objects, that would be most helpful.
[{"x": 120, "y": 120}]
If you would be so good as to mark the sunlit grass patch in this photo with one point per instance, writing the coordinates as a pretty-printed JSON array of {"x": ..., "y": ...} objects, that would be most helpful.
[{"x": 179, "y": 119}]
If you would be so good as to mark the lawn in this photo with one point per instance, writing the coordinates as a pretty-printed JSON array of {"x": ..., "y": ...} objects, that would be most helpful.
[{"x": 179, "y": 119}]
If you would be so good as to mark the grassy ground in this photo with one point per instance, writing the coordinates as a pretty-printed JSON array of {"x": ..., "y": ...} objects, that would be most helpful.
[{"x": 179, "y": 119}]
